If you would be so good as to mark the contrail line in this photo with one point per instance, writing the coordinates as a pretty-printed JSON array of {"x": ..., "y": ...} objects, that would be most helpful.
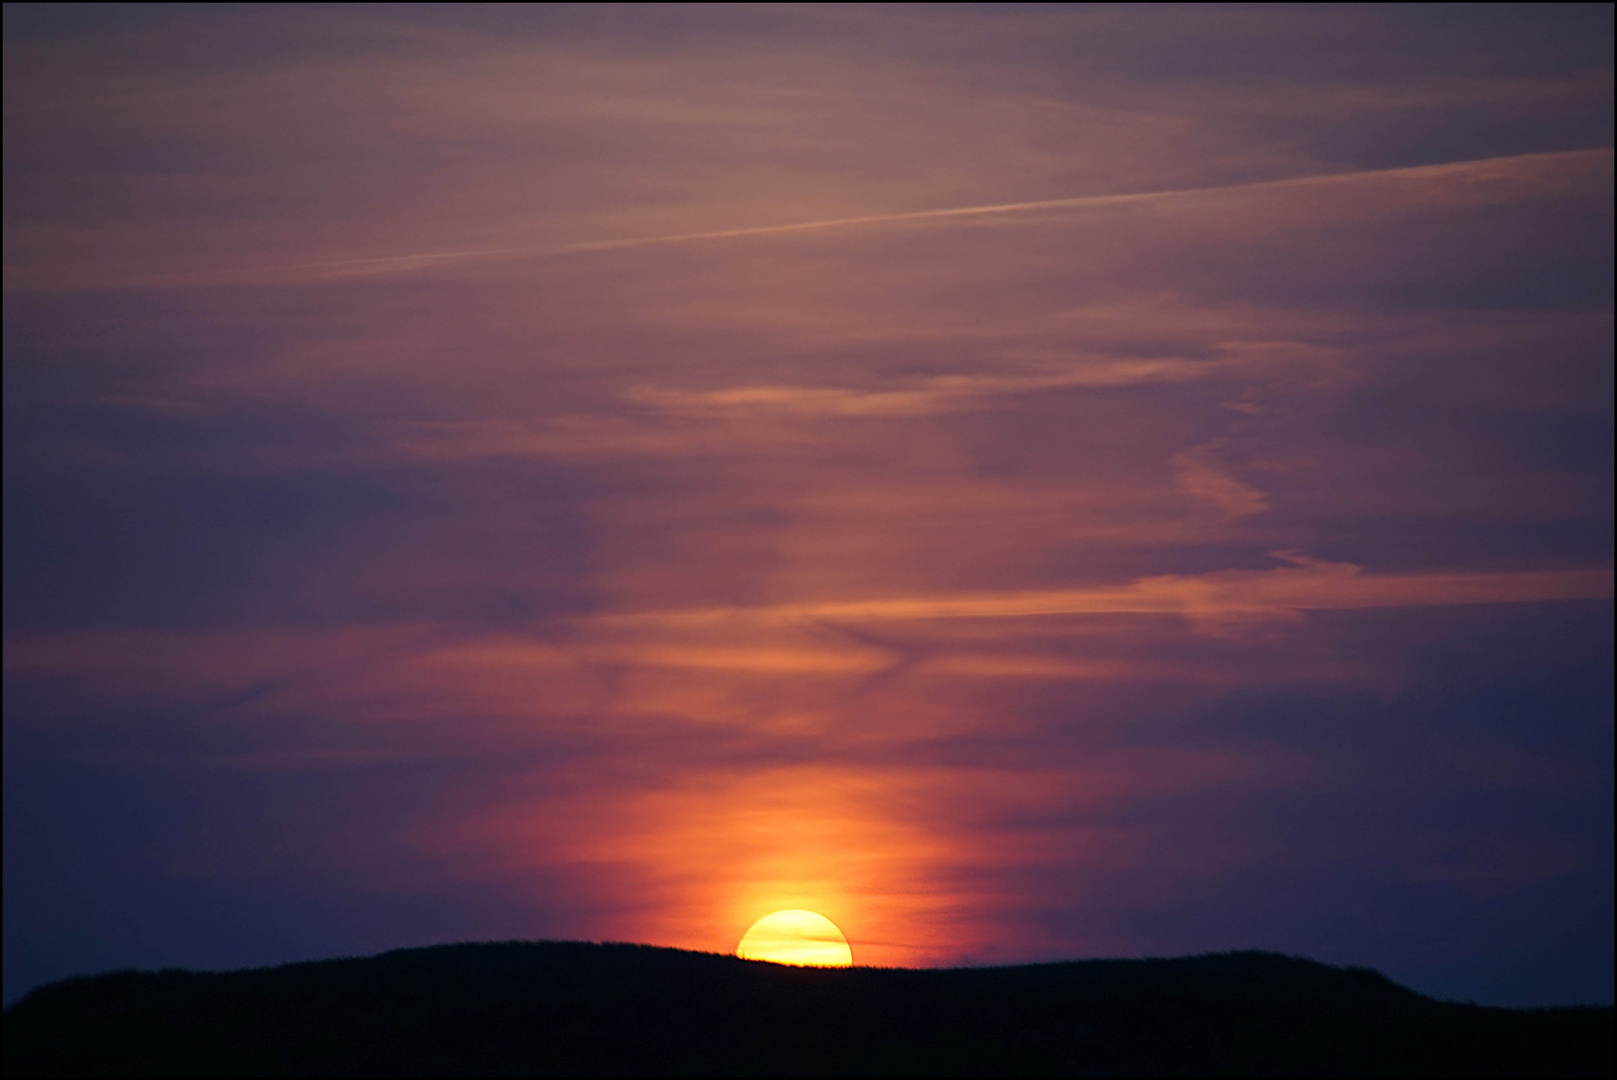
[{"x": 1483, "y": 168}]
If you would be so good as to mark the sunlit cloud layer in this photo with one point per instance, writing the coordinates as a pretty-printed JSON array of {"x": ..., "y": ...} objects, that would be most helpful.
[{"x": 1022, "y": 484}]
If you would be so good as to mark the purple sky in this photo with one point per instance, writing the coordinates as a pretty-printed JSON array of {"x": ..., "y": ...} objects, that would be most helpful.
[{"x": 1027, "y": 482}]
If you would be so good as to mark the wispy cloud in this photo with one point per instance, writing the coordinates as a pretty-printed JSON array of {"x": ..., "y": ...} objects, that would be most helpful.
[
  {"x": 1308, "y": 584},
  {"x": 1457, "y": 184},
  {"x": 1199, "y": 474},
  {"x": 940, "y": 393}
]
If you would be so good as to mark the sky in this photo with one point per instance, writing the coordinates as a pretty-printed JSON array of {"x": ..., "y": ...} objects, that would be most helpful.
[{"x": 1026, "y": 482}]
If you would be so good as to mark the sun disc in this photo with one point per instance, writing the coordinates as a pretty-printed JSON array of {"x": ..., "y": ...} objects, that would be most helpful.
[{"x": 800, "y": 937}]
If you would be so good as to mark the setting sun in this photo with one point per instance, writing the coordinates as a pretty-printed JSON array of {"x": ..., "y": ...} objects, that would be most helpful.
[{"x": 796, "y": 937}]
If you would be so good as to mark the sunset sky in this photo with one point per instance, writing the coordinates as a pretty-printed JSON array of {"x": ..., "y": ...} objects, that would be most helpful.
[{"x": 1026, "y": 482}]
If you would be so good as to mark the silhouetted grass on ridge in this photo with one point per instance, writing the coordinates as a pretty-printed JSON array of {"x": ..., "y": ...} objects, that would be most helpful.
[{"x": 560, "y": 1008}]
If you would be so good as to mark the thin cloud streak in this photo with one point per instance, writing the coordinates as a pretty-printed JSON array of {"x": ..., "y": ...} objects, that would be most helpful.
[
  {"x": 1309, "y": 585},
  {"x": 1476, "y": 171}
]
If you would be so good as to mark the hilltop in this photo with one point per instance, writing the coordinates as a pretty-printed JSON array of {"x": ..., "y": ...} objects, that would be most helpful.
[{"x": 557, "y": 1008}]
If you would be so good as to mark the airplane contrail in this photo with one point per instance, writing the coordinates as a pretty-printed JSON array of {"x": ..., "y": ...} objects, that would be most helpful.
[{"x": 1480, "y": 167}]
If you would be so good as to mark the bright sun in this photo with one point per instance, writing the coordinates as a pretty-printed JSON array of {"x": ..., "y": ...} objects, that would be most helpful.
[{"x": 796, "y": 937}]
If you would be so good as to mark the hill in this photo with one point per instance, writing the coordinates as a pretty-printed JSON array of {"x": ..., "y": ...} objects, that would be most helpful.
[{"x": 549, "y": 1008}]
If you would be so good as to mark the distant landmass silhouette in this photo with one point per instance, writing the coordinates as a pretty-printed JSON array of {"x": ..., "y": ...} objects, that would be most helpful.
[{"x": 571, "y": 1008}]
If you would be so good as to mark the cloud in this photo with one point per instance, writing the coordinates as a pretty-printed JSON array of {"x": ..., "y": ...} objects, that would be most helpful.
[
  {"x": 1197, "y": 474},
  {"x": 1334, "y": 196},
  {"x": 1308, "y": 584},
  {"x": 942, "y": 393}
]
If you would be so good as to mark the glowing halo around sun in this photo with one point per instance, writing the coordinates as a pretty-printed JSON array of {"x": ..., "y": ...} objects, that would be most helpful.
[{"x": 800, "y": 937}]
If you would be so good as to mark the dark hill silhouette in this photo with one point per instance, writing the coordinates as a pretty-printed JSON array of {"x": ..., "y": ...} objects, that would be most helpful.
[{"x": 547, "y": 1008}]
